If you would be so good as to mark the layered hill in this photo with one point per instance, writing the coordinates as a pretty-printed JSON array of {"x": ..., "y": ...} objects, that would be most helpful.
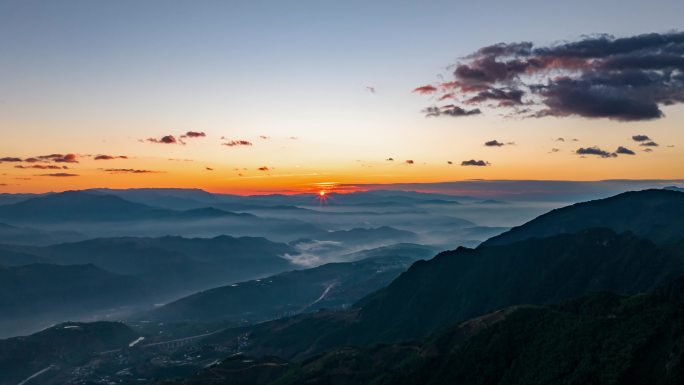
[
  {"x": 465, "y": 283},
  {"x": 332, "y": 285},
  {"x": 599, "y": 339},
  {"x": 169, "y": 264},
  {"x": 33, "y": 295},
  {"x": 654, "y": 214}
]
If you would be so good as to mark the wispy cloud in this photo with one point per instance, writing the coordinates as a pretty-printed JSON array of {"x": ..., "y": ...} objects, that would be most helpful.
[{"x": 234, "y": 143}]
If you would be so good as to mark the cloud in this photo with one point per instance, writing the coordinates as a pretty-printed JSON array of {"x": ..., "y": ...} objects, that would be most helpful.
[
  {"x": 595, "y": 151},
  {"x": 234, "y": 143},
  {"x": 42, "y": 167},
  {"x": 473, "y": 162},
  {"x": 640, "y": 138},
  {"x": 648, "y": 150},
  {"x": 409, "y": 161},
  {"x": 110, "y": 157},
  {"x": 389, "y": 159},
  {"x": 494, "y": 143},
  {"x": 263, "y": 168},
  {"x": 649, "y": 144},
  {"x": 59, "y": 175},
  {"x": 600, "y": 76},
  {"x": 450, "y": 110},
  {"x": 624, "y": 151},
  {"x": 370, "y": 89},
  {"x": 449, "y": 162},
  {"x": 426, "y": 89},
  {"x": 57, "y": 158},
  {"x": 194, "y": 134},
  {"x": 553, "y": 150},
  {"x": 264, "y": 137},
  {"x": 10, "y": 159},
  {"x": 128, "y": 171},
  {"x": 167, "y": 139}
]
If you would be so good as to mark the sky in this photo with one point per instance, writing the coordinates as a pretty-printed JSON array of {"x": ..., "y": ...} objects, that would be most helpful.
[{"x": 316, "y": 94}]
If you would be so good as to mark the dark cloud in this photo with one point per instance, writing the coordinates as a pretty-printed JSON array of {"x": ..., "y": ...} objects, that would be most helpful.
[
  {"x": 264, "y": 137},
  {"x": 648, "y": 150},
  {"x": 234, "y": 143},
  {"x": 623, "y": 79},
  {"x": 449, "y": 162},
  {"x": 10, "y": 159},
  {"x": 409, "y": 161},
  {"x": 209, "y": 169},
  {"x": 560, "y": 139},
  {"x": 194, "y": 134},
  {"x": 473, "y": 162},
  {"x": 370, "y": 89},
  {"x": 390, "y": 159},
  {"x": 167, "y": 139},
  {"x": 505, "y": 97},
  {"x": 450, "y": 110},
  {"x": 263, "y": 168},
  {"x": 43, "y": 167},
  {"x": 494, "y": 143},
  {"x": 624, "y": 151},
  {"x": 59, "y": 174},
  {"x": 649, "y": 144},
  {"x": 595, "y": 151},
  {"x": 128, "y": 171},
  {"x": 110, "y": 157},
  {"x": 640, "y": 138},
  {"x": 57, "y": 158},
  {"x": 554, "y": 150}
]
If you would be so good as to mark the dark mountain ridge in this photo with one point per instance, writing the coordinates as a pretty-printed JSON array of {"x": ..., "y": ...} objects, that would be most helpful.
[{"x": 654, "y": 214}]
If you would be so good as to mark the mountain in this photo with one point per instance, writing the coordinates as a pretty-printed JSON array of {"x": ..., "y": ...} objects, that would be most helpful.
[
  {"x": 366, "y": 236},
  {"x": 654, "y": 214},
  {"x": 172, "y": 265},
  {"x": 332, "y": 285},
  {"x": 675, "y": 188},
  {"x": 34, "y": 295},
  {"x": 29, "y": 236},
  {"x": 77, "y": 206},
  {"x": 464, "y": 283},
  {"x": 598, "y": 339},
  {"x": 58, "y": 348},
  {"x": 169, "y": 198}
]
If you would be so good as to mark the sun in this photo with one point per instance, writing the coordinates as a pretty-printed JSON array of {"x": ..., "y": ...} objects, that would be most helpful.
[{"x": 321, "y": 193}]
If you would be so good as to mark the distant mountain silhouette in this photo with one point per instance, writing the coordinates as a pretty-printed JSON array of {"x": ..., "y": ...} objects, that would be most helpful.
[
  {"x": 171, "y": 265},
  {"x": 328, "y": 286},
  {"x": 78, "y": 206},
  {"x": 30, "y": 236},
  {"x": 33, "y": 294},
  {"x": 654, "y": 214}
]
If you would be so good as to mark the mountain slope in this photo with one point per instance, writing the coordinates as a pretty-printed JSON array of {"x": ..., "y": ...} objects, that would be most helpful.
[
  {"x": 598, "y": 339},
  {"x": 34, "y": 295},
  {"x": 327, "y": 286},
  {"x": 465, "y": 283},
  {"x": 61, "y": 345},
  {"x": 654, "y": 214},
  {"x": 171, "y": 265}
]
